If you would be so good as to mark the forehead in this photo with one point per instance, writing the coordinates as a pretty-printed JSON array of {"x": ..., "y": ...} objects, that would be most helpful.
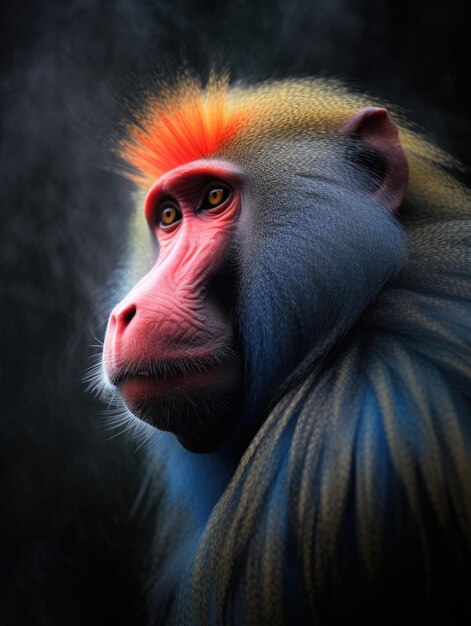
[
  {"x": 168, "y": 136},
  {"x": 189, "y": 123}
]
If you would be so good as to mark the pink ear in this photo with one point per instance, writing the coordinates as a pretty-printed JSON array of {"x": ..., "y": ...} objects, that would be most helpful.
[{"x": 375, "y": 130}]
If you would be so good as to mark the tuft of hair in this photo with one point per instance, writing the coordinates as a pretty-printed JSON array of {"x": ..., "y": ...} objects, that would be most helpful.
[{"x": 183, "y": 123}]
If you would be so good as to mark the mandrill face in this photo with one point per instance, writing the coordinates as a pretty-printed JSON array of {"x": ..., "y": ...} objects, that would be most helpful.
[
  {"x": 170, "y": 346},
  {"x": 266, "y": 253}
]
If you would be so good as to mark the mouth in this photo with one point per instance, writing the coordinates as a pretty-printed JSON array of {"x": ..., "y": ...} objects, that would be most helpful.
[{"x": 161, "y": 378}]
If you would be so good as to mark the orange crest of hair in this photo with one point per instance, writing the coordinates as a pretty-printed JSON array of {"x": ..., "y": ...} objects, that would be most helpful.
[
  {"x": 183, "y": 124},
  {"x": 186, "y": 122}
]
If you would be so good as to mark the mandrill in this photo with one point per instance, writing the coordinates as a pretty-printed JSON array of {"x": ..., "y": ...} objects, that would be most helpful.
[{"x": 300, "y": 332}]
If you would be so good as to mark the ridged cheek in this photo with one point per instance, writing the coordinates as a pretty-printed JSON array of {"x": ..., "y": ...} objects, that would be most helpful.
[{"x": 197, "y": 248}]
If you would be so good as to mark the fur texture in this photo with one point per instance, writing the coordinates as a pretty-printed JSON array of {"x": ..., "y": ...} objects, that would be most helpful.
[{"x": 355, "y": 493}]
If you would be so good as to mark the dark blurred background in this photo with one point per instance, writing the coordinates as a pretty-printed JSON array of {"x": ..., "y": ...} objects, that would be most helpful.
[{"x": 74, "y": 532}]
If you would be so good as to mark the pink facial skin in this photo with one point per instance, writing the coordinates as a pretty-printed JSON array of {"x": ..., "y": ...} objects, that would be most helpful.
[{"x": 170, "y": 317}]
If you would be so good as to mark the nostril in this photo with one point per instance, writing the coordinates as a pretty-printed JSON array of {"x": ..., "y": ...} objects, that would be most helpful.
[{"x": 128, "y": 314}]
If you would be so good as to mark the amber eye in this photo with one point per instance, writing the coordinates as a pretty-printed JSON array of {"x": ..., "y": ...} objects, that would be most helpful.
[
  {"x": 215, "y": 195},
  {"x": 169, "y": 215}
]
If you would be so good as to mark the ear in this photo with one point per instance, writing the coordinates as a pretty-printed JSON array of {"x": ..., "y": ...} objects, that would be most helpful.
[{"x": 376, "y": 146}]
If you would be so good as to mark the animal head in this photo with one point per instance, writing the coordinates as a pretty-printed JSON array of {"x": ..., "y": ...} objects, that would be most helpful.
[{"x": 273, "y": 214}]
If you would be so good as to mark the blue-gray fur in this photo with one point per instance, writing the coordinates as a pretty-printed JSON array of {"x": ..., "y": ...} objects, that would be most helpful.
[
  {"x": 354, "y": 498},
  {"x": 315, "y": 249}
]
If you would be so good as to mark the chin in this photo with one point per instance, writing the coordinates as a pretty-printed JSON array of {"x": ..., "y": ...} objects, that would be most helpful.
[{"x": 198, "y": 408}]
